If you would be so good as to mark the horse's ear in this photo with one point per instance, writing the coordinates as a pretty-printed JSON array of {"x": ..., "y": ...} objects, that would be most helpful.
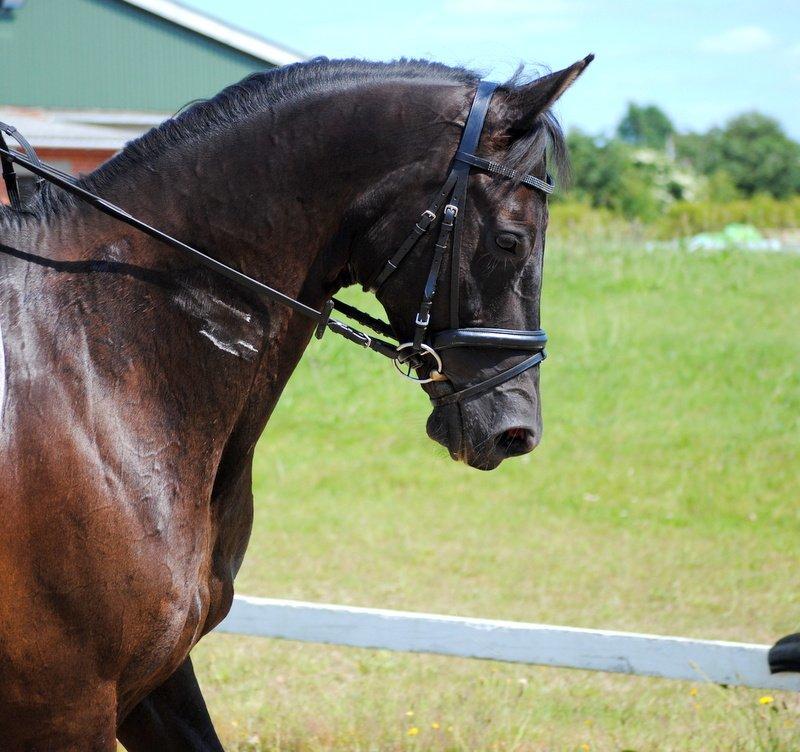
[{"x": 525, "y": 103}]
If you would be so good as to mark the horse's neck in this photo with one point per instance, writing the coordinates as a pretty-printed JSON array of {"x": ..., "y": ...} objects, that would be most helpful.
[
  {"x": 268, "y": 196},
  {"x": 272, "y": 209}
]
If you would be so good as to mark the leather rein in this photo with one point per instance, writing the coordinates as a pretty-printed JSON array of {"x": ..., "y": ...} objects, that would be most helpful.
[{"x": 422, "y": 352}]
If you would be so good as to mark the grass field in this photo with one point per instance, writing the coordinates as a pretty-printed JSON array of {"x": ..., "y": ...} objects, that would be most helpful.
[{"x": 664, "y": 498}]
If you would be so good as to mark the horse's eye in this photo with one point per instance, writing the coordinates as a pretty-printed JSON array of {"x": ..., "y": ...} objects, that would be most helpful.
[{"x": 507, "y": 241}]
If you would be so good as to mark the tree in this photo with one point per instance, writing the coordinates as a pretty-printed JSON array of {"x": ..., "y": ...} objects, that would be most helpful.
[
  {"x": 605, "y": 175},
  {"x": 752, "y": 149},
  {"x": 720, "y": 187},
  {"x": 645, "y": 125},
  {"x": 759, "y": 156}
]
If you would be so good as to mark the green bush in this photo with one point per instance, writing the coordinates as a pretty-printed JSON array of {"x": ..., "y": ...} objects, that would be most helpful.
[
  {"x": 745, "y": 172},
  {"x": 571, "y": 220},
  {"x": 720, "y": 188},
  {"x": 685, "y": 218}
]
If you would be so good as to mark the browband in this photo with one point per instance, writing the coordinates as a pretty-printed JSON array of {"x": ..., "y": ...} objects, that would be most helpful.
[{"x": 546, "y": 185}]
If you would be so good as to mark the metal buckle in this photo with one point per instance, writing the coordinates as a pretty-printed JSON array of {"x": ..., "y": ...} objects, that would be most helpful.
[
  {"x": 453, "y": 208},
  {"x": 364, "y": 339},
  {"x": 425, "y": 220},
  {"x": 325, "y": 317},
  {"x": 425, "y": 350},
  {"x": 425, "y": 322}
]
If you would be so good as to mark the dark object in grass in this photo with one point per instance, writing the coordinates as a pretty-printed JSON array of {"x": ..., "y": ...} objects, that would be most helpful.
[{"x": 784, "y": 655}]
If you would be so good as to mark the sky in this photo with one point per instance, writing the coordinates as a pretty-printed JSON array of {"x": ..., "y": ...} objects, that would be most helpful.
[{"x": 701, "y": 62}]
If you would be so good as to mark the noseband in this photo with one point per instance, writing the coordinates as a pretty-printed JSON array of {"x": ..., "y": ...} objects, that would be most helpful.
[{"x": 422, "y": 353}]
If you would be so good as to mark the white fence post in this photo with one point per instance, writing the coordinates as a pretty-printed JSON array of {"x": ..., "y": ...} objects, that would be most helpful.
[{"x": 714, "y": 661}]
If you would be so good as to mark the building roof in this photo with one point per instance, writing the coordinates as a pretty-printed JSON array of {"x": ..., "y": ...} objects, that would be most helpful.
[
  {"x": 78, "y": 129},
  {"x": 241, "y": 40}
]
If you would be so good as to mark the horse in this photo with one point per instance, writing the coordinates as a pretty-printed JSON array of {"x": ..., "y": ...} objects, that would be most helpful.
[{"x": 135, "y": 383}]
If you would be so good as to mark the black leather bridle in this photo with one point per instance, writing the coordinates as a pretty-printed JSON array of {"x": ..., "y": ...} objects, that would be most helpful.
[
  {"x": 423, "y": 347},
  {"x": 422, "y": 353}
]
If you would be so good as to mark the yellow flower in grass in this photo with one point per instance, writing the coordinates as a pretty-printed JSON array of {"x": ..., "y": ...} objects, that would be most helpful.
[
  {"x": 434, "y": 725},
  {"x": 693, "y": 691},
  {"x": 766, "y": 700},
  {"x": 413, "y": 731},
  {"x": 409, "y": 713},
  {"x": 585, "y": 747}
]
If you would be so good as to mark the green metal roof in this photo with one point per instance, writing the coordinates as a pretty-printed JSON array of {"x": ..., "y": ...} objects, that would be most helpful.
[{"x": 110, "y": 54}]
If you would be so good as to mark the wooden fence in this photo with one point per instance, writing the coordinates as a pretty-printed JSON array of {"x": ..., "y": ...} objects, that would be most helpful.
[{"x": 729, "y": 663}]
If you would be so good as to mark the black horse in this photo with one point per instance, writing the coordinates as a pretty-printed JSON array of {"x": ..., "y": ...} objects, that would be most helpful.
[{"x": 135, "y": 383}]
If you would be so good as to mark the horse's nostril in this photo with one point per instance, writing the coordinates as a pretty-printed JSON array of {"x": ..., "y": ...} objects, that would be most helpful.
[{"x": 516, "y": 441}]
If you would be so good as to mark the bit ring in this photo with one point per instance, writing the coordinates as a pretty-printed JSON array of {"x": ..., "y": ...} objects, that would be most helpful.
[{"x": 425, "y": 350}]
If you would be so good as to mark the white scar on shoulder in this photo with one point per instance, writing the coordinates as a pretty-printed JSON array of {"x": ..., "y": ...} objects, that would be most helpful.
[
  {"x": 240, "y": 348},
  {"x": 219, "y": 343},
  {"x": 230, "y": 330}
]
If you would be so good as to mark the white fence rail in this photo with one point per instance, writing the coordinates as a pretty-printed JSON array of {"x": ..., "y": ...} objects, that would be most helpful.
[{"x": 731, "y": 663}]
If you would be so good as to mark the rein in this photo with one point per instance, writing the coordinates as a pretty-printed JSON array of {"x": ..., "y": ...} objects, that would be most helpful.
[
  {"x": 66, "y": 182},
  {"x": 409, "y": 356}
]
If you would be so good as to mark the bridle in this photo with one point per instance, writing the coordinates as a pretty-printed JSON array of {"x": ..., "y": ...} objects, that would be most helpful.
[
  {"x": 422, "y": 353},
  {"x": 423, "y": 347}
]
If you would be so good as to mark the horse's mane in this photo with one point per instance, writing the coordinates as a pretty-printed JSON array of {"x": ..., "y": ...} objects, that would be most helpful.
[{"x": 272, "y": 88}]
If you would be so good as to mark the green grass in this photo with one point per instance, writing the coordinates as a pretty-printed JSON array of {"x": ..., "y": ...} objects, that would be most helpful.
[{"x": 664, "y": 498}]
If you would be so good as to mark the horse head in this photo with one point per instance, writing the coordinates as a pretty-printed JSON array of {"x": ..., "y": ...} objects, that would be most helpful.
[{"x": 465, "y": 304}]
